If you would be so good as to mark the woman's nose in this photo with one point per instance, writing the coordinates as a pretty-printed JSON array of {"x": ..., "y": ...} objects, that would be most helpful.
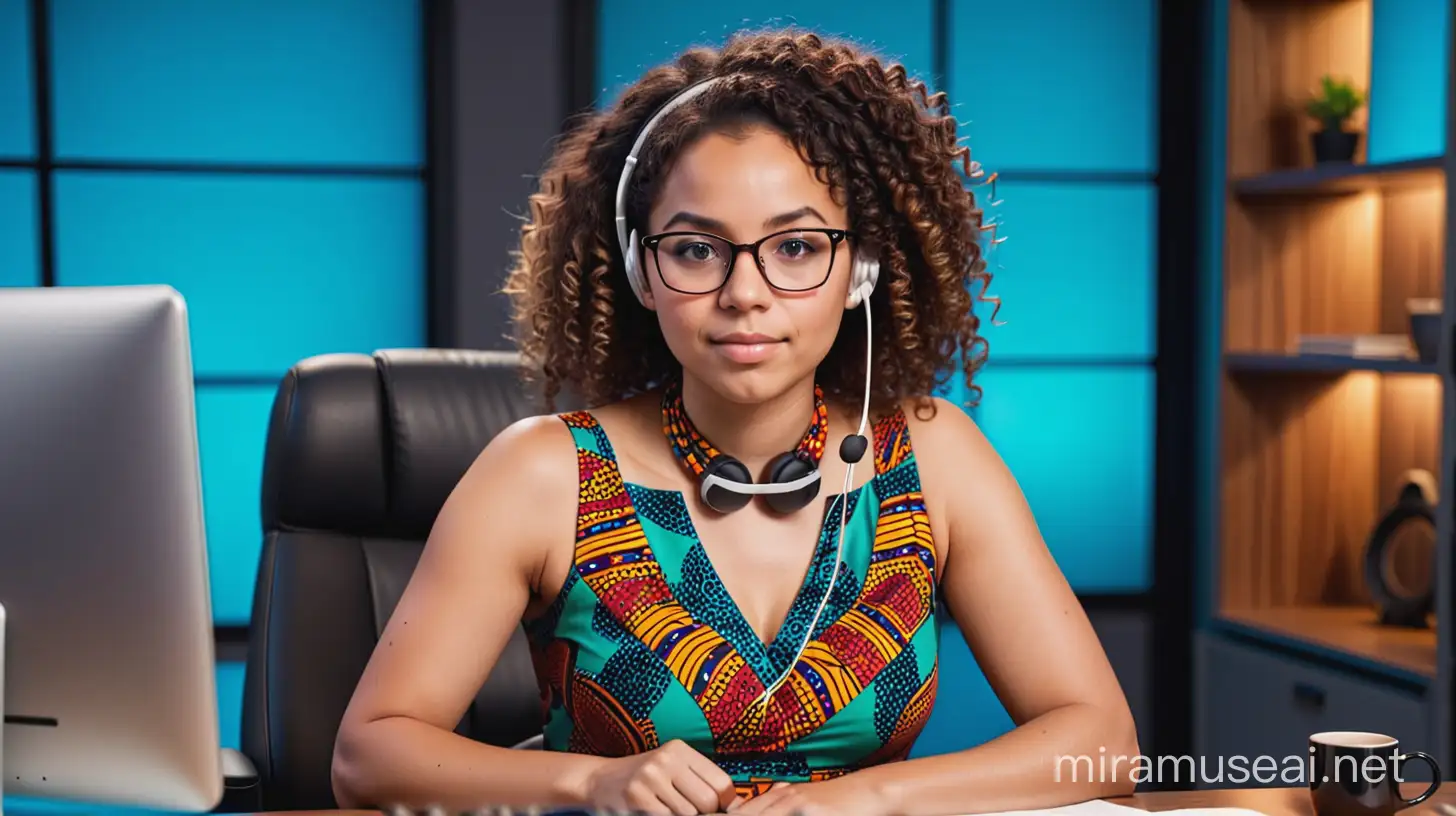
[{"x": 745, "y": 288}]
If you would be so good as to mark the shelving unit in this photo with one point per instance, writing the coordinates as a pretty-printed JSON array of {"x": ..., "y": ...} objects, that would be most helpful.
[
  {"x": 1277, "y": 363},
  {"x": 1315, "y": 447},
  {"x": 1339, "y": 179}
]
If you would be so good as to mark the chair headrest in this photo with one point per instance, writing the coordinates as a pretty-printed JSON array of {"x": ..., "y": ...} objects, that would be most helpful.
[{"x": 372, "y": 445}]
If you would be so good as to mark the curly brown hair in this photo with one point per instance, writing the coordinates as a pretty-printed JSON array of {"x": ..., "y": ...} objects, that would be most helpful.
[{"x": 885, "y": 146}]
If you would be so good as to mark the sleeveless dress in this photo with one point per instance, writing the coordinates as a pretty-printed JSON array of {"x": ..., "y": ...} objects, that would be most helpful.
[{"x": 643, "y": 644}]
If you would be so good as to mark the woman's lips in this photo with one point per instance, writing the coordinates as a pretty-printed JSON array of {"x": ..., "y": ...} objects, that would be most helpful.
[{"x": 746, "y": 348}]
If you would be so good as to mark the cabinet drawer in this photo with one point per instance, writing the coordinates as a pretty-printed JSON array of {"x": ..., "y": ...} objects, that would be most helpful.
[{"x": 1257, "y": 702}]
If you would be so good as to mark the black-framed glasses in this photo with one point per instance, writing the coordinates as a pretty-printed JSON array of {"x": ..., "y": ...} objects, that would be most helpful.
[{"x": 696, "y": 263}]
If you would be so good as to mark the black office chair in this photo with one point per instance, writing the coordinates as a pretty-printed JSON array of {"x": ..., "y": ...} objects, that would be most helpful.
[{"x": 362, "y": 452}]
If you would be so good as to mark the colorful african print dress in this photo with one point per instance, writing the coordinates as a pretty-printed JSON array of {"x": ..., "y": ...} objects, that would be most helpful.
[{"x": 643, "y": 645}]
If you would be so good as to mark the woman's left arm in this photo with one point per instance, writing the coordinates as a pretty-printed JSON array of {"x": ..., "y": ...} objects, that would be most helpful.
[{"x": 1075, "y": 737}]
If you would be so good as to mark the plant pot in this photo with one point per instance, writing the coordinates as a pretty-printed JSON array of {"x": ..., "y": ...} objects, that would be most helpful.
[{"x": 1334, "y": 145}]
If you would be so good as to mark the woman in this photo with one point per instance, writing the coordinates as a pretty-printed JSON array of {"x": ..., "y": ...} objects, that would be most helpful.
[{"x": 712, "y": 629}]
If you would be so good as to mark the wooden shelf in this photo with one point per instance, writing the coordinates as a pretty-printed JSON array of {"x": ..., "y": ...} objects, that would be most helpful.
[
  {"x": 1272, "y": 363},
  {"x": 1313, "y": 450},
  {"x": 1340, "y": 179},
  {"x": 1350, "y": 632}
]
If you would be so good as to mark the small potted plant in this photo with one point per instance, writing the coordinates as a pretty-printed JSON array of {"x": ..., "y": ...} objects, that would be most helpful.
[{"x": 1332, "y": 107}]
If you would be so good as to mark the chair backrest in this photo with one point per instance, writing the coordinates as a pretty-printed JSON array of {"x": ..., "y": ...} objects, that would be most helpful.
[{"x": 362, "y": 452}]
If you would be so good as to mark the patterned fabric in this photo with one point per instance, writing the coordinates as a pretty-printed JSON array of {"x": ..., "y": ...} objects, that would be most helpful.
[
  {"x": 644, "y": 645},
  {"x": 695, "y": 451}
]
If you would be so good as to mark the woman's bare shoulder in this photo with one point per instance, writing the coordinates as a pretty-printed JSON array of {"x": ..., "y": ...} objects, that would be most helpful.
[
  {"x": 533, "y": 454},
  {"x": 944, "y": 429},
  {"x": 519, "y": 494}
]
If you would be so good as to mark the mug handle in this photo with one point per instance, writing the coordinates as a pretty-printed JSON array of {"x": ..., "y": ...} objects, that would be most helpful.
[{"x": 1435, "y": 776}]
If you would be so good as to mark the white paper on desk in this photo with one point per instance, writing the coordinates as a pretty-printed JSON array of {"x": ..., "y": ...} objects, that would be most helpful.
[{"x": 1098, "y": 807}]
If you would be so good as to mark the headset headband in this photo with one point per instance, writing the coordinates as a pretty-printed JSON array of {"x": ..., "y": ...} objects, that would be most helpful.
[{"x": 631, "y": 163}]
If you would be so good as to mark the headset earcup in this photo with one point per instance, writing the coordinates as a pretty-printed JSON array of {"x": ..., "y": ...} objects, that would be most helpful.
[
  {"x": 634, "y": 270},
  {"x": 718, "y": 497},
  {"x": 863, "y": 277},
  {"x": 787, "y": 467}
]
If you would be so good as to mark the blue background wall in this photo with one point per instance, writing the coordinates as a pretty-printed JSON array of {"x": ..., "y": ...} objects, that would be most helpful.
[
  {"x": 1408, "y": 79},
  {"x": 1078, "y": 291},
  {"x": 277, "y": 184}
]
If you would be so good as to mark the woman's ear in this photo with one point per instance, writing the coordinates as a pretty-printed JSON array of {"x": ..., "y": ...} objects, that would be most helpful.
[{"x": 648, "y": 300}]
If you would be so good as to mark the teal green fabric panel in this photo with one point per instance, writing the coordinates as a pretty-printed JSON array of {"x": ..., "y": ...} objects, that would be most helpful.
[
  {"x": 1409, "y": 61},
  {"x": 17, "y": 84},
  {"x": 834, "y": 744},
  {"x": 337, "y": 82},
  {"x": 19, "y": 229},
  {"x": 669, "y": 547},
  {"x": 635, "y": 35},
  {"x": 1057, "y": 85},
  {"x": 274, "y": 268},
  {"x": 575, "y": 624},
  {"x": 1080, "y": 442},
  {"x": 678, "y": 707}
]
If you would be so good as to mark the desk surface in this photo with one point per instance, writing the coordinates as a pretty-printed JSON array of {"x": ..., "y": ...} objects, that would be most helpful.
[{"x": 1271, "y": 801}]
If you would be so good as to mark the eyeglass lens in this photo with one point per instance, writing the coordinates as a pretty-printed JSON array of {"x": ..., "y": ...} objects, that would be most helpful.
[{"x": 699, "y": 263}]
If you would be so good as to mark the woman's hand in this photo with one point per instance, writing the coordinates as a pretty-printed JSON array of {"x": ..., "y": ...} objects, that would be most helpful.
[
  {"x": 671, "y": 779},
  {"x": 842, "y": 796}
]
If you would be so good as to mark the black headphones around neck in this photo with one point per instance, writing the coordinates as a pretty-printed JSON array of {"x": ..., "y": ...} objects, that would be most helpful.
[
  {"x": 724, "y": 482},
  {"x": 792, "y": 484}
]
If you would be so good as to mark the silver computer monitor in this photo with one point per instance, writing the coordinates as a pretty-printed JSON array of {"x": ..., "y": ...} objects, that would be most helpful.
[{"x": 108, "y": 673}]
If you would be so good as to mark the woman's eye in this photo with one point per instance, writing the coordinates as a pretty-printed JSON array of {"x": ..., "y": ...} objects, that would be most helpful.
[
  {"x": 696, "y": 252},
  {"x": 795, "y": 248}
]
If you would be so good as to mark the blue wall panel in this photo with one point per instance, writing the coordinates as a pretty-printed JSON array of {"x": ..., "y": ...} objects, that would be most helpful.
[
  {"x": 230, "y": 702},
  {"x": 322, "y": 82},
  {"x": 19, "y": 255},
  {"x": 17, "y": 106},
  {"x": 1080, "y": 442},
  {"x": 232, "y": 424},
  {"x": 274, "y": 269},
  {"x": 634, "y": 35},
  {"x": 1056, "y": 84},
  {"x": 1078, "y": 276},
  {"x": 1408, "y": 79}
]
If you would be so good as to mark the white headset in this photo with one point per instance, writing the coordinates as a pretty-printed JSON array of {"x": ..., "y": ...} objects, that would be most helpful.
[
  {"x": 864, "y": 274},
  {"x": 863, "y": 277}
]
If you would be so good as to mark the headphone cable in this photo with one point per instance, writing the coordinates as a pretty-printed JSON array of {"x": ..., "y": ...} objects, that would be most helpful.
[{"x": 843, "y": 499}]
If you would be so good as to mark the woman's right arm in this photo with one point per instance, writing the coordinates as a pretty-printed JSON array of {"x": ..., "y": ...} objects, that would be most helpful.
[{"x": 396, "y": 745}]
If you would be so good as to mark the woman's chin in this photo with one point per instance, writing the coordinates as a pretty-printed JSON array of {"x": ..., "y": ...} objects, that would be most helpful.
[{"x": 746, "y": 384}]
